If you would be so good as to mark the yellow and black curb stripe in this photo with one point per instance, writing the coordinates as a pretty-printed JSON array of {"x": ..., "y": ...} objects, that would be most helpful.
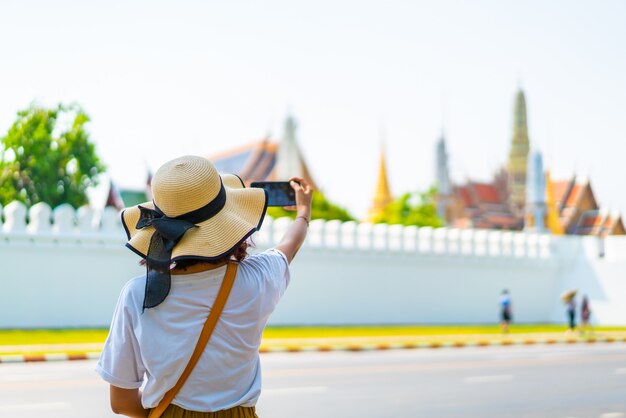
[
  {"x": 31, "y": 358},
  {"x": 94, "y": 355}
]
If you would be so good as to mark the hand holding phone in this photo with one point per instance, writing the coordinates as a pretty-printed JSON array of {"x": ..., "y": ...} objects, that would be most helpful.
[{"x": 279, "y": 193}]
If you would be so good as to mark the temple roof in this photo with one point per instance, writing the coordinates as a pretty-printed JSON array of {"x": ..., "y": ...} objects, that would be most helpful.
[
  {"x": 486, "y": 193},
  {"x": 252, "y": 162},
  {"x": 266, "y": 160}
]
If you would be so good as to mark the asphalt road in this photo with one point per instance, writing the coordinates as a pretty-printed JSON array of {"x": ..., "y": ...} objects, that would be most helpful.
[{"x": 547, "y": 381}]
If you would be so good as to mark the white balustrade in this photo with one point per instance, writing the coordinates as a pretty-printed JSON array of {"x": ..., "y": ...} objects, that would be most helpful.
[
  {"x": 440, "y": 241},
  {"x": 85, "y": 220},
  {"x": 520, "y": 245},
  {"x": 279, "y": 227},
  {"x": 453, "y": 236},
  {"x": 364, "y": 235},
  {"x": 409, "y": 239},
  {"x": 481, "y": 242},
  {"x": 494, "y": 243},
  {"x": 395, "y": 237},
  {"x": 425, "y": 240},
  {"x": 507, "y": 244},
  {"x": 39, "y": 219},
  {"x": 332, "y": 233},
  {"x": 379, "y": 237},
  {"x": 316, "y": 233},
  {"x": 110, "y": 222},
  {"x": 545, "y": 242},
  {"x": 467, "y": 241},
  {"x": 347, "y": 234},
  {"x": 63, "y": 220},
  {"x": 532, "y": 244},
  {"x": 263, "y": 237}
]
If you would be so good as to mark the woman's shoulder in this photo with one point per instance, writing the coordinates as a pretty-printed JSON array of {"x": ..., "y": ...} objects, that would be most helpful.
[
  {"x": 133, "y": 291},
  {"x": 271, "y": 256}
]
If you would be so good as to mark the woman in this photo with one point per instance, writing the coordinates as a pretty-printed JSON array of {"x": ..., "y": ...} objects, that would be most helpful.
[
  {"x": 198, "y": 222},
  {"x": 585, "y": 315},
  {"x": 506, "y": 311}
]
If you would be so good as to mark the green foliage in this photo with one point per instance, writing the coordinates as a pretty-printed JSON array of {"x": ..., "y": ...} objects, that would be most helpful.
[
  {"x": 412, "y": 209},
  {"x": 41, "y": 161},
  {"x": 321, "y": 208}
]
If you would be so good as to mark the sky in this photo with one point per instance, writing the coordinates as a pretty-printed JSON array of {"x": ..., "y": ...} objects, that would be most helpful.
[{"x": 164, "y": 79}]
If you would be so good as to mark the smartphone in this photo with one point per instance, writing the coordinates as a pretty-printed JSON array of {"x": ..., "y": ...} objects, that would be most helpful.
[{"x": 279, "y": 193}]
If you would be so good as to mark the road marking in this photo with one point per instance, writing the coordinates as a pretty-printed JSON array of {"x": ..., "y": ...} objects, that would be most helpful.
[
  {"x": 34, "y": 406},
  {"x": 620, "y": 371},
  {"x": 26, "y": 377},
  {"x": 489, "y": 379},
  {"x": 305, "y": 390},
  {"x": 612, "y": 415}
]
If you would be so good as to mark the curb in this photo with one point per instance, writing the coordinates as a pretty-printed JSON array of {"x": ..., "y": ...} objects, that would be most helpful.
[
  {"x": 33, "y": 358},
  {"x": 94, "y": 355}
]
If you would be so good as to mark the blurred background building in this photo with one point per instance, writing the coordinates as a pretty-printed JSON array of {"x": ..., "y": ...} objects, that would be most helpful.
[{"x": 520, "y": 196}]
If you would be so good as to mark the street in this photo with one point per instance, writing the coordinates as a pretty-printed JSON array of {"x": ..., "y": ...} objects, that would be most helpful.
[{"x": 540, "y": 381}]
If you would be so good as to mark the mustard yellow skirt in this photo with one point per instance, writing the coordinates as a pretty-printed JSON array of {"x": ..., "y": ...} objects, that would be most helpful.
[{"x": 174, "y": 411}]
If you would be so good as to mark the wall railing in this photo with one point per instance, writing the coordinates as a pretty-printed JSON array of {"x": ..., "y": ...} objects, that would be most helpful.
[{"x": 63, "y": 224}]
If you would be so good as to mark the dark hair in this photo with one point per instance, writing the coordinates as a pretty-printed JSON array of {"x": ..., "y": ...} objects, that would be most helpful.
[{"x": 238, "y": 254}]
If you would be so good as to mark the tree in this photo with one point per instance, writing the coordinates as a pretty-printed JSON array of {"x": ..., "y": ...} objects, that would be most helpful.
[
  {"x": 412, "y": 209},
  {"x": 321, "y": 208},
  {"x": 47, "y": 156}
]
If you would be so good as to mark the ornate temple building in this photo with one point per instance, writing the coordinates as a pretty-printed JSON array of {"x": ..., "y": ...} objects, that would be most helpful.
[
  {"x": 522, "y": 194},
  {"x": 266, "y": 160}
]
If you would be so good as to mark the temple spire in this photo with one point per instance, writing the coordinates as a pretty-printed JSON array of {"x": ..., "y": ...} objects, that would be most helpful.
[
  {"x": 553, "y": 221},
  {"x": 518, "y": 155},
  {"x": 442, "y": 178},
  {"x": 535, "y": 194},
  {"x": 382, "y": 195},
  {"x": 289, "y": 160}
]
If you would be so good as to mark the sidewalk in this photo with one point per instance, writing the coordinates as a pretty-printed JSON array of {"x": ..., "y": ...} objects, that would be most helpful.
[{"x": 64, "y": 352}]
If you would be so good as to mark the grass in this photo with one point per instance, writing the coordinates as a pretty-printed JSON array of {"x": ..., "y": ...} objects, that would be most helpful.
[
  {"x": 52, "y": 336},
  {"x": 80, "y": 336}
]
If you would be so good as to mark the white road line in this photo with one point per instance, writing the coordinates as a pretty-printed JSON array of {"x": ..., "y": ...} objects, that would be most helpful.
[
  {"x": 620, "y": 371},
  {"x": 34, "y": 406},
  {"x": 612, "y": 415},
  {"x": 24, "y": 377},
  {"x": 305, "y": 390},
  {"x": 489, "y": 379}
]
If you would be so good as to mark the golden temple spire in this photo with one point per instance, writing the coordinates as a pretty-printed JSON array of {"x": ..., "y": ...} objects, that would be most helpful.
[
  {"x": 553, "y": 221},
  {"x": 518, "y": 154},
  {"x": 382, "y": 196}
]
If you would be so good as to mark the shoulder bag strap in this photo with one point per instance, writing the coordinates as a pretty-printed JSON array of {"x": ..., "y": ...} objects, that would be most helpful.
[{"x": 205, "y": 335}]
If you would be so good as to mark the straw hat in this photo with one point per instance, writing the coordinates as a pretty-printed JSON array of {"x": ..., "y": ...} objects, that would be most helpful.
[
  {"x": 222, "y": 212},
  {"x": 569, "y": 295}
]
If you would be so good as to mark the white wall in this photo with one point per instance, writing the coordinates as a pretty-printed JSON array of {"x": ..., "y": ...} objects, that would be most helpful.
[{"x": 65, "y": 268}]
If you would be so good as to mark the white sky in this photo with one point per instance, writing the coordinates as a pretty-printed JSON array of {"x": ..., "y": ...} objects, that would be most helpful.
[{"x": 163, "y": 79}]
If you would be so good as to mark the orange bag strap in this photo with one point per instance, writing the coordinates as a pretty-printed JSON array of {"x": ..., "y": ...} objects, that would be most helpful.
[{"x": 205, "y": 335}]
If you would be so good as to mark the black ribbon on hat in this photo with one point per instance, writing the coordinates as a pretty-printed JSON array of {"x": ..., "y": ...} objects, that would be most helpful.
[{"x": 168, "y": 232}]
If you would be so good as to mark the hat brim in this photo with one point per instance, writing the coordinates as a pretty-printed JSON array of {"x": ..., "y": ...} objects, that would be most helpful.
[{"x": 241, "y": 216}]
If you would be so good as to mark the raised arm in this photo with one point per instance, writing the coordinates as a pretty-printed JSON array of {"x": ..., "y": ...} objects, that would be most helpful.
[{"x": 294, "y": 237}]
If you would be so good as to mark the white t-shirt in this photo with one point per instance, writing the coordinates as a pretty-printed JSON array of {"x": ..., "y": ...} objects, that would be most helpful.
[{"x": 158, "y": 342}]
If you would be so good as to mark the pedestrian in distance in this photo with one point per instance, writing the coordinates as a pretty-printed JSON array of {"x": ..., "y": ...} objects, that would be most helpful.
[
  {"x": 571, "y": 314},
  {"x": 200, "y": 285},
  {"x": 585, "y": 316},
  {"x": 506, "y": 311}
]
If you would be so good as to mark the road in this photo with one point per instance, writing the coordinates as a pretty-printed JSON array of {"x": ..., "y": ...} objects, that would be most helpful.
[{"x": 539, "y": 381}]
